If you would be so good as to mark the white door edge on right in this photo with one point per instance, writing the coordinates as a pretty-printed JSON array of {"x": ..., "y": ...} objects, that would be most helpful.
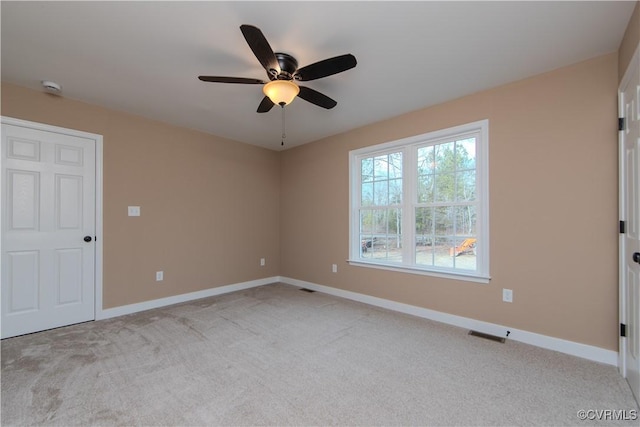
[{"x": 629, "y": 199}]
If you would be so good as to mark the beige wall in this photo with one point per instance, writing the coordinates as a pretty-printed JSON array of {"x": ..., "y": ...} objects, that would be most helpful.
[
  {"x": 210, "y": 206},
  {"x": 629, "y": 42},
  {"x": 553, "y": 207}
]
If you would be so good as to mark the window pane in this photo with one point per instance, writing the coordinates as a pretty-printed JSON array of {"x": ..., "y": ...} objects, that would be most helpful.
[
  {"x": 425, "y": 188},
  {"x": 394, "y": 222},
  {"x": 424, "y": 254},
  {"x": 444, "y": 157},
  {"x": 367, "y": 194},
  {"x": 395, "y": 165},
  {"x": 381, "y": 193},
  {"x": 466, "y": 220},
  {"x": 445, "y": 187},
  {"x": 424, "y": 236},
  {"x": 393, "y": 239},
  {"x": 443, "y": 224},
  {"x": 366, "y": 230},
  {"x": 466, "y": 186},
  {"x": 381, "y": 167},
  {"x": 465, "y": 240},
  {"x": 366, "y": 221},
  {"x": 426, "y": 160},
  {"x": 366, "y": 169},
  {"x": 380, "y": 222},
  {"x": 424, "y": 223},
  {"x": 466, "y": 153},
  {"x": 395, "y": 191}
]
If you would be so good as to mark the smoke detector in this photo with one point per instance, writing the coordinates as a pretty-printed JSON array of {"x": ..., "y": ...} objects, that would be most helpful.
[{"x": 51, "y": 87}]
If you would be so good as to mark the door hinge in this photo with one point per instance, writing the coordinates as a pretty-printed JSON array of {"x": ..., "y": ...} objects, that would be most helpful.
[
  {"x": 623, "y": 330},
  {"x": 621, "y": 123},
  {"x": 622, "y": 227}
]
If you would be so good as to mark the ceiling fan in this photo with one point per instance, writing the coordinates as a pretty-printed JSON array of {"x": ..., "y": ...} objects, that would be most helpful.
[{"x": 282, "y": 70}]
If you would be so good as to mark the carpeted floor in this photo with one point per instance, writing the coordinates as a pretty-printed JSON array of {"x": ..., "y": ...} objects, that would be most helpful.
[{"x": 275, "y": 355}]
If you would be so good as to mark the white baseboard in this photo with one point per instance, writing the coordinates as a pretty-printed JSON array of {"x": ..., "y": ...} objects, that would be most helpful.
[
  {"x": 176, "y": 299},
  {"x": 584, "y": 351}
]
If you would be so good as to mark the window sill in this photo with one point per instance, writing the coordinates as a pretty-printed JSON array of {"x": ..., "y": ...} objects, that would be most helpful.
[{"x": 415, "y": 270}]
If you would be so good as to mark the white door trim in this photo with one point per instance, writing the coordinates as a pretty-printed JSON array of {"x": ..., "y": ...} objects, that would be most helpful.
[{"x": 98, "y": 192}]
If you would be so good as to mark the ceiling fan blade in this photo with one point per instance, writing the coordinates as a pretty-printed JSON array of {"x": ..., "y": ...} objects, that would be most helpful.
[
  {"x": 265, "y": 105},
  {"x": 241, "y": 80},
  {"x": 261, "y": 49},
  {"x": 317, "y": 98},
  {"x": 326, "y": 68}
]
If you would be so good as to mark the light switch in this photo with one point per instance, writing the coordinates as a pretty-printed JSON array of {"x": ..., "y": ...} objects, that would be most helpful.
[{"x": 134, "y": 210}]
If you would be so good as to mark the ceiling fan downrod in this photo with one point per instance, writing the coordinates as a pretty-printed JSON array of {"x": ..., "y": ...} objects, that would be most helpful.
[{"x": 283, "y": 134}]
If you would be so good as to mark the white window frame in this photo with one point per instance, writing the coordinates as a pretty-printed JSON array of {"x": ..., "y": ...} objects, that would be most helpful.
[{"x": 409, "y": 147}]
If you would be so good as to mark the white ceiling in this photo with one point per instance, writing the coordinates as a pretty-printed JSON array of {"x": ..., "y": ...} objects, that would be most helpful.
[{"x": 144, "y": 57}]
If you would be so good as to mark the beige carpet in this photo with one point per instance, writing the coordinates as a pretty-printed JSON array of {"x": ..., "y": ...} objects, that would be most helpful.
[{"x": 276, "y": 355}]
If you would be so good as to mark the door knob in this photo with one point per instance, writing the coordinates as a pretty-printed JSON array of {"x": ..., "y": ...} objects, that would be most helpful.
[
  {"x": 88, "y": 239},
  {"x": 636, "y": 257}
]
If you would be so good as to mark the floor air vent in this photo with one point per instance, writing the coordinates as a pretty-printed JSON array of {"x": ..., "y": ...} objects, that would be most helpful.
[
  {"x": 307, "y": 290},
  {"x": 487, "y": 336}
]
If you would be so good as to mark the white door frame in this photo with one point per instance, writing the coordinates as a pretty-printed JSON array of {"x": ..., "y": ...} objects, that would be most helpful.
[{"x": 98, "y": 192}]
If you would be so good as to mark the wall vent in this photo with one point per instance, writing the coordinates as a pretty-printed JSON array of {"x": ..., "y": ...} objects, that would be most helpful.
[{"x": 487, "y": 336}]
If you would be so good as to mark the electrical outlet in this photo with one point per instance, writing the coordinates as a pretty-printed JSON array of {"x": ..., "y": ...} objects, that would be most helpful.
[
  {"x": 133, "y": 210},
  {"x": 507, "y": 295},
  {"x": 334, "y": 268},
  {"x": 159, "y": 276},
  {"x": 263, "y": 262}
]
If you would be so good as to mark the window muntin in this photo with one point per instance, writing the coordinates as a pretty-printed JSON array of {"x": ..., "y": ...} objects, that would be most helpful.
[{"x": 421, "y": 204}]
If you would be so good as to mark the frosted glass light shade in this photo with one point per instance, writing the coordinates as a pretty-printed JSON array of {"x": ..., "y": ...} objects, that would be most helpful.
[{"x": 281, "y": 92}]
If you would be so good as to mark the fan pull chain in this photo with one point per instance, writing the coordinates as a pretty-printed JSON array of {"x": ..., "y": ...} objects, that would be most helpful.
[{"x": 283, "y": 134}]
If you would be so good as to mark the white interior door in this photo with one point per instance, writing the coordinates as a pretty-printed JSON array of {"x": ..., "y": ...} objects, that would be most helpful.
[
  {"x": 630, "y": 214},
  {"x": 48, "y": 217}
]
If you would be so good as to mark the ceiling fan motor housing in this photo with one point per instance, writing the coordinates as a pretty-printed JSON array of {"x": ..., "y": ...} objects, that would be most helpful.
[{"x": 288, "y": 66}]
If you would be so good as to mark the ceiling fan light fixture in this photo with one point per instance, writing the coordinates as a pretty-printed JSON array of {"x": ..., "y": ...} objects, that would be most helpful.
[{"x": 281, "y": 92}]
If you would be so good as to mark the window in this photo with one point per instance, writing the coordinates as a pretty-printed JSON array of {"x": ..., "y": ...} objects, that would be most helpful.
[{"x": 420, "y": 204}]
